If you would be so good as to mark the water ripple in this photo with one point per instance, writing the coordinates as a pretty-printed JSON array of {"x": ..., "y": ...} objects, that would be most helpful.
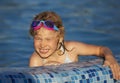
[{"x": 91, "y": 21}]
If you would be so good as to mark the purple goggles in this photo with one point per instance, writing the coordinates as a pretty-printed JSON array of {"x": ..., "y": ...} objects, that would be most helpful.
[{"x": 47, "y": 24}]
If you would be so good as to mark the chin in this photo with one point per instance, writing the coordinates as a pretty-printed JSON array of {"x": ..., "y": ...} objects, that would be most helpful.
[{"x": 45, "y": 55}]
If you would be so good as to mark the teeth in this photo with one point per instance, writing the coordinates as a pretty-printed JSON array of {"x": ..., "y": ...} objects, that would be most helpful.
[{"x": 44, "y": 50}]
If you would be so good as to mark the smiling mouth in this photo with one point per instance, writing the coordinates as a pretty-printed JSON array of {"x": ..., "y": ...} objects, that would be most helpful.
[{"x": 44, "y": 51}]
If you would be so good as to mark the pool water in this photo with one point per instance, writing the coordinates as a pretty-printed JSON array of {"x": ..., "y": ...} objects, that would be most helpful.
[{"x": 90, "y": 21}]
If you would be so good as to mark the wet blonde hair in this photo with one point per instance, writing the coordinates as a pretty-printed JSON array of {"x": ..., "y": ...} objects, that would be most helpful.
[{"x": 52, "y": 16}]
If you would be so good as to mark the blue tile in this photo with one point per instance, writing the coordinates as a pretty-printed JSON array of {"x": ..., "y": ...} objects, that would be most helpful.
[
  {"x": 84, "y": 81},
  {"x": 105, "y": 81},
  {"x": 13, "y": 80},
  {"x": 74, "y": 78},
  {"x": 15, "y": 76},
  {"x": 83, "y": 76},
  {"x": 111, "y": 76},
  {"x": 50, "y": 74},
  {"x": 10, "y": 76},
  {"x": 38, "y": 81},
  {"x": 65, "y": 74},
  {"x": 88, "y": 81},
  {"x": 67, "y": 82},
  {"x": 77, "y": 71},
  {"x": 22, "y": 75},
  {"x": 48, "y": 80},
  {"x": 80, "y": 81},
  {"x": 94, "y": 79},
  {"x": 30, "y": 81},
  {"x": 98, "y": 78},
  {"x": 91, "y": 80},
  {"x": 25, "y": 80},
  {"x": 116, "y": 80},
  {"x": 110, "y": 72},
  {"x": 93, "y": 74},
  {"x": 72, "y": 82},
  {"x": 0, "y": 81},
  {"x": 90, "y": 75},
  {"x": 101, "y": 69},
  {"x": 94, "y": 70},
  {"x": 96, "y": 73},
  {"x": 88, "y": 71}
]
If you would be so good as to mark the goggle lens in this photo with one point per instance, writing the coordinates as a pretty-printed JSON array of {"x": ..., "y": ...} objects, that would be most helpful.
[{"x": 47, "y": 24}]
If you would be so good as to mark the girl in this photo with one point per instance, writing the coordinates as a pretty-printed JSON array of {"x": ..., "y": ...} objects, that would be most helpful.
[{"x": 51, "y": 49}]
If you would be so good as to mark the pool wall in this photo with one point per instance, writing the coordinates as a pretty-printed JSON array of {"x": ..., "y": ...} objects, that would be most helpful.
[{"x": 84, "y": 72}]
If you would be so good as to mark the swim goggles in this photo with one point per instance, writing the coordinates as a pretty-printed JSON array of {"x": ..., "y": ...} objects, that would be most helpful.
[{"x": 47, "y": 24}]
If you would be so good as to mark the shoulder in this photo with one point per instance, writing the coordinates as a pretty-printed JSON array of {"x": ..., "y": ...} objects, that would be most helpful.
[
  {"x": 74, "y": 44},
  {"x": 34, "y": 56},
  {"x": 35, "y": 60}
]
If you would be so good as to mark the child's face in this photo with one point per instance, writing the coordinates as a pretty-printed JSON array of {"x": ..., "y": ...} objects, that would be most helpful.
[{"x": 46, "y": 42}]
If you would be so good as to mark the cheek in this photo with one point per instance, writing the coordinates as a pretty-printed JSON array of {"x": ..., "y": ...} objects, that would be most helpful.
[
  {"x": 36, "y": 44},
  {"x": 53, "y": 44}
]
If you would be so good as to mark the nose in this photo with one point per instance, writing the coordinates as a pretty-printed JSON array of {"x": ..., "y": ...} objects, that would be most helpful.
[{"x": 43, "y": 43}]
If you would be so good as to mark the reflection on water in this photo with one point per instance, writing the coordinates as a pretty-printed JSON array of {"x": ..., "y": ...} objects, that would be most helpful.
[{"x": 95, "y": 22}]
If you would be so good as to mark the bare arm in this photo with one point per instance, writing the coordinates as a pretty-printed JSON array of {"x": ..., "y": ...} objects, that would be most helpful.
[
  {"x": 84, "y": 49},
  {"x": 101, "y": 51}
]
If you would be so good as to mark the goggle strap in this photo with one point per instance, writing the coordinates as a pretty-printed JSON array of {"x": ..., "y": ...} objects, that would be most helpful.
[{"x": 55, "y": 28}]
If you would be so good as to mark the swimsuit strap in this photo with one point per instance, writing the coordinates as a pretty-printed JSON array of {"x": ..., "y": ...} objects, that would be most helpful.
[{"x": 67, "y": 59}]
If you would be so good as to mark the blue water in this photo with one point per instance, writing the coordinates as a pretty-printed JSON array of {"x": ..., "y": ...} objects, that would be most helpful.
[{"x": 90, "y": 21}]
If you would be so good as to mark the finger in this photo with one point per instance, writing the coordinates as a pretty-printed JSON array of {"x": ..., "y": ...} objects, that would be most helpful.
[
  {"x": 119, "y": 72},
  {"x": 115, "y": 70},
  {"x": 118, "y": 69},
  {"x": 106, "y": 63}
]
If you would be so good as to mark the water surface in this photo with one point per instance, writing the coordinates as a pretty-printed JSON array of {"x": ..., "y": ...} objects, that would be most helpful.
[{"x": 90, "y": 21}]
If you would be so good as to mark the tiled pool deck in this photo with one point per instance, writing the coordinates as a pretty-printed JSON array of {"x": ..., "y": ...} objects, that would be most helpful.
[{"x": 84, "y": 72}]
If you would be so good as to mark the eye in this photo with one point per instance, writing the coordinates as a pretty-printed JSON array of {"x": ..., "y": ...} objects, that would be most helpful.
[
  {"x": 37, "y": 38},
  {"x": 48, "y": 39}
]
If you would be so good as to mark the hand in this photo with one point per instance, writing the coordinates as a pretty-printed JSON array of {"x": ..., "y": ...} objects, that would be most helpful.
[
  {"x": 110, "y": 61},
  {"x": 115, "y": 68}
]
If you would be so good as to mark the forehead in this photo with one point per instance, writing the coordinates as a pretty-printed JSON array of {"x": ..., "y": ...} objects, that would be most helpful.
[{"x": 46, "y": 33}]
